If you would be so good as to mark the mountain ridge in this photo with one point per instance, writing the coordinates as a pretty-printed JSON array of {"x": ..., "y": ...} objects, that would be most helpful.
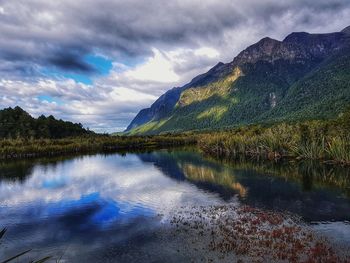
[{"x": 269, "y": 68}]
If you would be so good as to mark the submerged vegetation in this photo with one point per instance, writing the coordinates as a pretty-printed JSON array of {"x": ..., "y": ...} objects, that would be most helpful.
[{"x": 248, "y": 234}]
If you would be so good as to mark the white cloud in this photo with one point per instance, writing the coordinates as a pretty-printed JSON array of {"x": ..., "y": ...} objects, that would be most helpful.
[
  {"x": 207, "y": 51},
  {"x": 157, "y": 68},
  {"x": 125, "y": 94},
  {"x": 112, "y": 177},
  {"x": 176, "y": 41},
  {"x": 93, "y": 106}
]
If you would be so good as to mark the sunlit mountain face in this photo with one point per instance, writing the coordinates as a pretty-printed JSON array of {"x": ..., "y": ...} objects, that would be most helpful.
[
  {"x": 99, "y": 63},
  {"x": 303, "y": 77}
]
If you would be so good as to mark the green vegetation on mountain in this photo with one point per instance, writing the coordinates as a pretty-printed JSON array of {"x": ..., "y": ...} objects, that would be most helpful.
[
  {"x": 323, "y": 93},
  {"x": 220, "y": 88},
  {"x": 304, "y": 77},
  {"x": 276, "y": 99},
  {"x": 324, "y": 140}
]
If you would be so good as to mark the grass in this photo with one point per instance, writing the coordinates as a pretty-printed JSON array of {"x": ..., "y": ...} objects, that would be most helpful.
[
  {"x": 312, "y": 140},
  {"x": 19, "y": 255},
  {"x": 338, "y": 148},
  {"x": 324, "y": 140},
  {"x": 22, "y": 148}
]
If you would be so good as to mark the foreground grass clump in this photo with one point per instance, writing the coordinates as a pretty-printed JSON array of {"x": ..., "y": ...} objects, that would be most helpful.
[
  {"x": 22, "y": 147},
  {"x": 338, "y": 148},
  {"x": 316, "y": 140},
  {"x": 14, "y": 258}
]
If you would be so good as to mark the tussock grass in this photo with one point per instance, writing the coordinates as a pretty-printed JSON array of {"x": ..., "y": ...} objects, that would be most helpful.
[
  {"x": 313, "y": 140},
  {"x": 21, "y": 147},
  {"x": 338, "y": 148}
]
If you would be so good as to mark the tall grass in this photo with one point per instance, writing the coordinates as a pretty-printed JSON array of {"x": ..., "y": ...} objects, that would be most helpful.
[
  {"x": 311, "y": 140},
  {"x": 338, "y": 148},
  {"x": 315, "y": 140},
  {"x": 21, "y": 147}
]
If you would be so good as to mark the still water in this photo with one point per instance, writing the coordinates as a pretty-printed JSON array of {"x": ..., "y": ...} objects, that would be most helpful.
[{"x": 110, "y": 207}]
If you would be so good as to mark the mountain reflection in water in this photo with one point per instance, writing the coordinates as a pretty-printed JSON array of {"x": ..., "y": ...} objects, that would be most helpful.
[{"x": 101, "y": 207}]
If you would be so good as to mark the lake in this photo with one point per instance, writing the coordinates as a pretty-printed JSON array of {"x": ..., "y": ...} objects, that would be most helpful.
[{"x": 116, "y": 207}]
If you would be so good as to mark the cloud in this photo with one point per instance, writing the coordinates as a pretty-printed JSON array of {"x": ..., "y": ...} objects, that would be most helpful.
[
  {"x": 114, "y": 178},
  {"x": 71, "y": 62},
  {"x": 153, "y": 45},
  {"x": 99, "y": 193},
  {"x": 38, "y": 29},
  {"x": 157, "y": 68},
  {"x": 101, "y": 108}
]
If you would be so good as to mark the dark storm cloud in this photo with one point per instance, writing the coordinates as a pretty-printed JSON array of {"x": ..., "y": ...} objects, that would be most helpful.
[
  {"x": 42, "y": 36},
  {"x": 71, "y": 62},
  {"x": 33, "y": 30}
]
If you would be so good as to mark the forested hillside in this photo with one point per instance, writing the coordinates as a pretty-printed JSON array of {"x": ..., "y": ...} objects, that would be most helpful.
[
  {"x": 304, "y": 77},
  {"x": 15, "y": 122}
]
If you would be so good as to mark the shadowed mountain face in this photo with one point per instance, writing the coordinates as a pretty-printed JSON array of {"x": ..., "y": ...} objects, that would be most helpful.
[{"x": 305, "y": 76}]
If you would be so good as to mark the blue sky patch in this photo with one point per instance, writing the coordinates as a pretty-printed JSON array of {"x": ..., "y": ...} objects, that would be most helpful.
[
  {"x": 100, "y": 63},
  {"x": 50, "y": 99}
]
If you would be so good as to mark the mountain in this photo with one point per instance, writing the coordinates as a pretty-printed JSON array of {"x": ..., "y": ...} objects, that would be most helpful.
[
  {"x": 15, "y": 122},
  {"x": 305, "y": 76}
]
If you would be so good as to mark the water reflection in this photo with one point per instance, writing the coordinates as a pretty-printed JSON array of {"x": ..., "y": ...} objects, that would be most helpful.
[
  {"x": 315, "y": 191},
  {"x": 105, "y": 205}
]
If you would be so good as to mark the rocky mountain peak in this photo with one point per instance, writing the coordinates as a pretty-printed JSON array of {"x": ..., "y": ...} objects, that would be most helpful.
[
  {"x": 346, "y": 30},
  {"x": 276, "y": 63},
  {"x": 297, "y": 37},
  {"x": 296, "y": 46},
  {"x": 262, "y": 50}
]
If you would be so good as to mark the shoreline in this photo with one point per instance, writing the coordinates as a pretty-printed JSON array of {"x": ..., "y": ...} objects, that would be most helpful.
[
  {"x": 27, "y": 149},
  {"x": 268, "y": 144}
]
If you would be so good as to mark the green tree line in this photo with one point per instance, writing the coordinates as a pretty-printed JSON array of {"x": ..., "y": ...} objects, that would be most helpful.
[{"x": 17, "y": 123}]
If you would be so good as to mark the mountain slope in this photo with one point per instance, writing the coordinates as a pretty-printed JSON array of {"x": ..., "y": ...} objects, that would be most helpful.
[
  {"x": 304, "y": 76},
  {"x": 323, "y": 93}
]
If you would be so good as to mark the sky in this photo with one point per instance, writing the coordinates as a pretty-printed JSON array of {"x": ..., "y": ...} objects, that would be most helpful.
[{"x": 100, "y": 62}]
